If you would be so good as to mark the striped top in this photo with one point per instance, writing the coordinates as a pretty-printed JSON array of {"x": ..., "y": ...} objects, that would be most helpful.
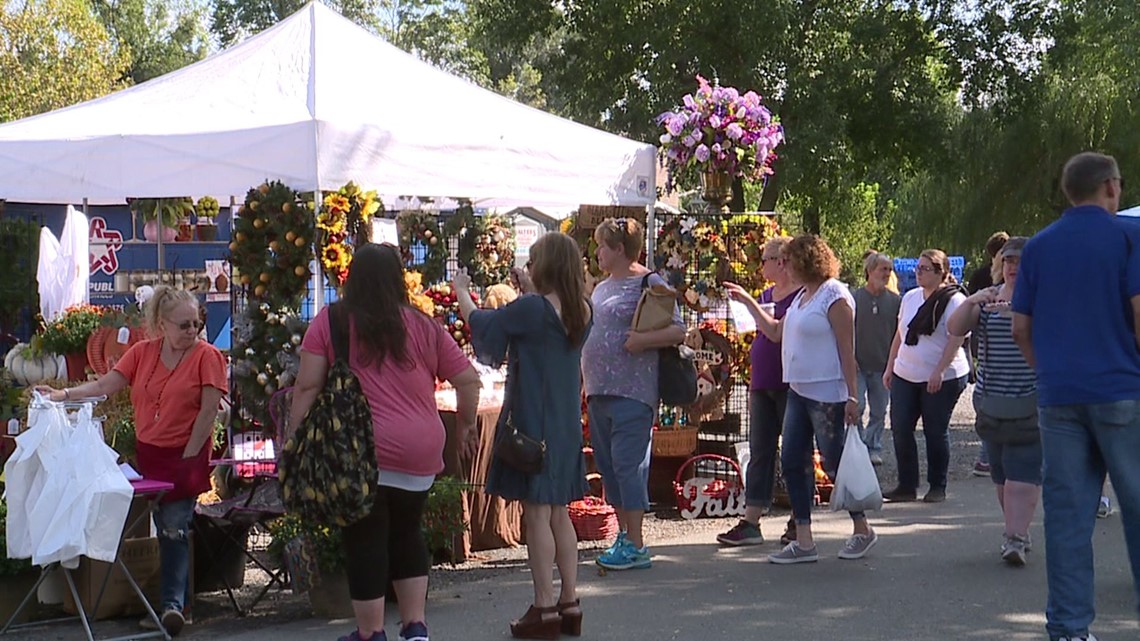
[{"x": 1002, "y": 370}]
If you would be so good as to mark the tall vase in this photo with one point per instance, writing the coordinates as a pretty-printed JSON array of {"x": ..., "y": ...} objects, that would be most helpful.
[{"x": 716, "y": 190}]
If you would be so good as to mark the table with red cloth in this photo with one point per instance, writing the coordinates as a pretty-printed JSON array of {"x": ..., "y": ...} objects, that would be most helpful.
[{"x": 491, "y": 522}]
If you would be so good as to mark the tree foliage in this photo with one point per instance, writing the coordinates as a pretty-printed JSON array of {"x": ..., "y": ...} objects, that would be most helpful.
[
  {"x": 233, "y": 20},
  {"x": 156, "y": 35},
  {"x": 53, "y": 53}
]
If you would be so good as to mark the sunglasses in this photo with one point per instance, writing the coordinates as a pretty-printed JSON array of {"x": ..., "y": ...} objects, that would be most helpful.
[
  {"x": 928, "y": 270},
  {"x": 196, "y": 325}
]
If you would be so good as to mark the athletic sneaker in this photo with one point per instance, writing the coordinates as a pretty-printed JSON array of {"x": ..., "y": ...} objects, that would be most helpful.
[
  {"x": 626, "y": 557},
  {"x": 355, "y": 636},
  {"x": 743, "y": 533},
  {"x": 416, "y": 631},
  {"x": 1104, "y": 510},
  {"x": 1087, "y": 637},
  {"x": 793, "y": 553},
  {"x": 1014, "y": 550},
  {"x": 858, "y": 545},
  {"x": 173, "y": 621},
  {"x": 981, "y": 469},
  {"x": 618, "y": 542}
]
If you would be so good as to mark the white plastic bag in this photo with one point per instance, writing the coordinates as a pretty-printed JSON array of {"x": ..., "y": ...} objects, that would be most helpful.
[
  {"x": 30, "y": 489},
  {"x": 856, "y": 484}
]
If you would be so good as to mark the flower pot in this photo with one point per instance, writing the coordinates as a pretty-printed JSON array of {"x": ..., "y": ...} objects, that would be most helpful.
[
  {"x": 716, "y": 189},
  {"x": 207, "y": 233},
  {"x": 185, "y": 231},
  {"x": 76, "y": 365},
  {"x": 150, "y": 232},
  {"x": 329, "y": 599}
]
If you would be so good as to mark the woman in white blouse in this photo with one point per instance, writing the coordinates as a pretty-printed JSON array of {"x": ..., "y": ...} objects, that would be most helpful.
[
  {"x": 926, "y": 373},
  {"x": 817, "y": 337}
]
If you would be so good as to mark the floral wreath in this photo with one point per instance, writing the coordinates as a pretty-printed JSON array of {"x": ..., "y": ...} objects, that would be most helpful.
[
  {"x": 343, "y": 223},
  {"x": 746, "y": 235},
  {"x": 486, "y": 244},
  {"x": 417, "y": 227},
  {"x": 693, "y": 255}
]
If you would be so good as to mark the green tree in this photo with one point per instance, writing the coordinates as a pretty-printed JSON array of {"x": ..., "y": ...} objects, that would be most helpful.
[
  {"x": 233, "y": 20},
  {"x": 53, "y": 53},
  {"x": 158, "y": 36}
]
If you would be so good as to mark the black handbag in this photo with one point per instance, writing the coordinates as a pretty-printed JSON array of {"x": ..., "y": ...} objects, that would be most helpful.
[
  {"x": 676, "y": 372},
  {"x": 514, "y": 448},
  {"x": 1004, "y": 420}
]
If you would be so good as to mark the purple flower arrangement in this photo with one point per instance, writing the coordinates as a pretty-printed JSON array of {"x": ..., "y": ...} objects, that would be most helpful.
[{"x": 719, "y": 129}]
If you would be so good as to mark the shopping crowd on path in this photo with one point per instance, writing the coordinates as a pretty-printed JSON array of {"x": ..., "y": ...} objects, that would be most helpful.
[{"x": 1057, "y": 395}]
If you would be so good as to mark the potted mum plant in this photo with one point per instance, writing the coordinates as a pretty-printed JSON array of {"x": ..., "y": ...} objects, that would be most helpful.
[
  {"x": 67, "y": 335},
  {"x": 207, "y": 211},
  {"x": 719, "y": 134}
]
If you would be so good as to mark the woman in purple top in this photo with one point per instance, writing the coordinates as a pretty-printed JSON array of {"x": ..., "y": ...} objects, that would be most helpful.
[{"x": 766, "y": 402}]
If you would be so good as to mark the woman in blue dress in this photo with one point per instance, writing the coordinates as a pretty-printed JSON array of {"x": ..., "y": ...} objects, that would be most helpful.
[{"x": 541, "y": 335}]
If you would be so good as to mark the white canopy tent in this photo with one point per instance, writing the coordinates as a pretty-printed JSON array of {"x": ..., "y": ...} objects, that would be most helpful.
[{"x": 317, "y": 101}]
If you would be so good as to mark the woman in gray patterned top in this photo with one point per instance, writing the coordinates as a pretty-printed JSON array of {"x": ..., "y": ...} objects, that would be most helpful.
[
  {"x": 619, "y": 369},
  {"x": 1004, "y": 374}
]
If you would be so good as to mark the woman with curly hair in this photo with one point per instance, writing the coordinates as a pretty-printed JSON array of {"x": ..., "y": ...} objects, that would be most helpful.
[
  {"x": 817, "y": 337},
  {"x": 926, "y": 373}
]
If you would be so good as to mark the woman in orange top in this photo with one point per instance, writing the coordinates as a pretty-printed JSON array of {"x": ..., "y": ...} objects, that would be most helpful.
[{"x": 177, "y": 382}]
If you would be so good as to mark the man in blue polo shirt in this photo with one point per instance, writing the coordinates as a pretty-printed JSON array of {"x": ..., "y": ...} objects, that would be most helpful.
[{"x": 1075, "y": 318}]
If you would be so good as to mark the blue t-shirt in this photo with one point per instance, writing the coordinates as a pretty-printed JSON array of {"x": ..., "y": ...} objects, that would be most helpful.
[{"x": 1075, "y": 280}]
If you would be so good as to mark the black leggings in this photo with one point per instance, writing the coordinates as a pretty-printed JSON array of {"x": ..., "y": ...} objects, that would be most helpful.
[{"x": 386, "y": 544}]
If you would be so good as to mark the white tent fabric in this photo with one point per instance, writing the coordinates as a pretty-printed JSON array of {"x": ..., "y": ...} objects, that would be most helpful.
[
  {"x": 1131, "y": 212},
  {"x": 317, "y": 101}
]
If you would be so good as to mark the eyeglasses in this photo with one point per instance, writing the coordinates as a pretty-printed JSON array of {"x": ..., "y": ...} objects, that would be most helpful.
[
  {"x": 928, "y": 270},
  {"x": 195, "y": 325},
  {"x": 765, "y": 259}
]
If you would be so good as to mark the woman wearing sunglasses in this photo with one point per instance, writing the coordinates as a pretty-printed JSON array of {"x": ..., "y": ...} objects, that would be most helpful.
[{"x": 177, "y": 382}]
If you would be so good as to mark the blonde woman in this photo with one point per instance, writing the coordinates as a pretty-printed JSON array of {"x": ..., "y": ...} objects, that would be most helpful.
[
  {"x": 619, "y": 368},
  {"x": 926, "y": 373},
  {"x": 817, "y": 338},
  {"x": 177, "y": 382}
]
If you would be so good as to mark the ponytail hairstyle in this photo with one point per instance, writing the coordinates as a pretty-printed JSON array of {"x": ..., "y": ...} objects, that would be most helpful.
[{"x": 159, "y": 306}]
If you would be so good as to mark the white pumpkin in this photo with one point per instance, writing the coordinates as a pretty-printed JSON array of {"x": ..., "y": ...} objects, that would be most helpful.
[{"x": 29, "y": 371}]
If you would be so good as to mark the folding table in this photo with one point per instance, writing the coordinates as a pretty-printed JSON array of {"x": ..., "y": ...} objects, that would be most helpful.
[{"x": 152, "y": 491}]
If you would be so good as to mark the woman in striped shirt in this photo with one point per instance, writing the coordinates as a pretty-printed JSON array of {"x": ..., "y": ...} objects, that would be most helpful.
[{"x": 1005, "y": 377}]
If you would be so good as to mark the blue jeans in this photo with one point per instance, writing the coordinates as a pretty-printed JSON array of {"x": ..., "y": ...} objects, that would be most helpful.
[
  {"x": 765, "y": 424},
  {"x": 621, "y": 433},
  {"x": 807, "y": 422},
  {"x": 172, "y": 521},
  {"x": 872, "y": 393},
  {"x": 1079, "y": 444},
  {"x": 909, "y": 402}
]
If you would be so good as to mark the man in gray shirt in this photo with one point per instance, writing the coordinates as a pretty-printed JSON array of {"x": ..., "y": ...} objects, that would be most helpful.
[{"x": 876, "y": 320}]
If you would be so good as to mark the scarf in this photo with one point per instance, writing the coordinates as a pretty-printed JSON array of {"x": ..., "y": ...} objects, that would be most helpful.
[{"x": 927, "y": 317}]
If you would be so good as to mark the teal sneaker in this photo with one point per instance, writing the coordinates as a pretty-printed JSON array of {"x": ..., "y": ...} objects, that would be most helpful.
[
  {"x": 626, "y": 557},
  {"x": 618, "y": 543}
]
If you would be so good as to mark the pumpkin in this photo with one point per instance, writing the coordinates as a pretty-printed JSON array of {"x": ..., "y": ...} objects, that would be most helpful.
[{"x": 29, "y": 371}]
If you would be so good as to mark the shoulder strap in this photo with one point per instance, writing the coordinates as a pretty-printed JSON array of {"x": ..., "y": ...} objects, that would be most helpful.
[
  {"x": 513, "y": 388},
  {"x": 339, "y": 331},
  {"x": 645, "y": 281}
]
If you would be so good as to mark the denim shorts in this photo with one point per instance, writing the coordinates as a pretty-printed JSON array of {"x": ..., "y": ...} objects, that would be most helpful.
[
  {"x": 1021, "y": 463},
  {"x": 621, "y": 432}
]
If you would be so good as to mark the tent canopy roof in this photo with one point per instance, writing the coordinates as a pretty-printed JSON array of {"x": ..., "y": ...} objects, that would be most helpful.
[{"x": 317, "y": 101}]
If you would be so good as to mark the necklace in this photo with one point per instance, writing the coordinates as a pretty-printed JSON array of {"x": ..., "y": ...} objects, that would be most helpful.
[{"x": 154, "y": 368}]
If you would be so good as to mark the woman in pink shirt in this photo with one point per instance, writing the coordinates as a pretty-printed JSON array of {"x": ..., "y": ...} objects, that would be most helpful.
[{"x": 397, "y": 353}]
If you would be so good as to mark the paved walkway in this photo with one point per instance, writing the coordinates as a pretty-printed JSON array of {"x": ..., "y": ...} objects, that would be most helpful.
[{"x": 935, "y": 574}]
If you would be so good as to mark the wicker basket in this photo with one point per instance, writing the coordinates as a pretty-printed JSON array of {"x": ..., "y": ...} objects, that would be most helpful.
[
  {"x": 593, "y": 519},
  {"x": 726, "y": 487},
  {"x": 675, "y": 442}
]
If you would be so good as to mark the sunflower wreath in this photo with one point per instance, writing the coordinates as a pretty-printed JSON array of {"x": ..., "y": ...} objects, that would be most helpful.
[
  {"x": 745, "y": 236},
  {"x": 693, "y": 255},
  {"x": 421, "y": 244},
  {"x": 345, "y": 222}
]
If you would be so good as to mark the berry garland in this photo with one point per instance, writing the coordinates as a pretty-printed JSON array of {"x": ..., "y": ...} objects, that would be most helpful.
[
  {"x": 420, "y": 228},
  {"x": 270, "y": 252},
  {"x": 344, "y": 223}
]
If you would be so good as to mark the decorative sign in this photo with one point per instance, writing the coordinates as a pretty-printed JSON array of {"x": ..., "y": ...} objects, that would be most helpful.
[
  {"x": 713, "y": 358},
  {"x": 712, "y": 496},
  {"x": 590, "y": 216},
  {"x": 104, "y": 245}
]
